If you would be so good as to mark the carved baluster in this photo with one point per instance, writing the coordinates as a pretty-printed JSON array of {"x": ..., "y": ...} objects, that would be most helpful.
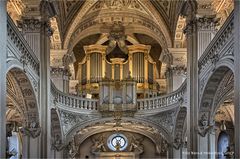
[
  {"x": 91, "y": 105},
  {"x": 145, "y": 104},
  {"x": 164, "y": 101},
  {"x": 154, "y": 103},
  {"x": 94, "y": 105},
  {"x": 69, "y": 101},
  {"x": 86, "y": 104},
  {"x": 150, "y": 104},
  {"x": 82, "y": 104},
  {"x": 76, "y": 103}
]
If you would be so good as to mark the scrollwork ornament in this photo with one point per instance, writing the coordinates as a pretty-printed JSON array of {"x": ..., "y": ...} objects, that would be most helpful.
[
  {"x": 57, "y": 143},
  {"x": 32, "y": 132}
]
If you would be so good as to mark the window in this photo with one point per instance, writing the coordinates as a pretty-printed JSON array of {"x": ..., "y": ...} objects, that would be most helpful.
[{"x": 117, "y": 142}]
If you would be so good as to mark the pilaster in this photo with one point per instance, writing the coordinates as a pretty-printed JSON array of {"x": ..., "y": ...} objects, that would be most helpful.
[
  {"x": 3, "y": 59},
  {"x": 237, "y": 77},
  {"x": 31, "y": 29},
  {"x": 206, "y": 32}
]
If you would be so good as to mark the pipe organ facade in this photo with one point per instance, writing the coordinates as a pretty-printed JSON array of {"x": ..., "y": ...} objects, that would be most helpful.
[{"x": 96, "y": 66}]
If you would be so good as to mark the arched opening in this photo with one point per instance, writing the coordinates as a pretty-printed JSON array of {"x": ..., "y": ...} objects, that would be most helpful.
[
  {"x": 216, "y": 112},
  {"x": 22, "y": 115},
  {"x": 222, "y": 144}
]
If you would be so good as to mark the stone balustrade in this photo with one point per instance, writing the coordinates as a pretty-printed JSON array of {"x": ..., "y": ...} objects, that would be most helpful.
[
  {"x": 67, "y": 100},
  {"x": 24, "y": 53},
  {"x": 71, "y": 101},
  {"x": 215, "y": 49},
  {"x": 162, "y": 101}
]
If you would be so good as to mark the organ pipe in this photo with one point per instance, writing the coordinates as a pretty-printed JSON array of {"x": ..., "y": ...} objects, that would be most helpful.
[{"x": 95, "y": 66}]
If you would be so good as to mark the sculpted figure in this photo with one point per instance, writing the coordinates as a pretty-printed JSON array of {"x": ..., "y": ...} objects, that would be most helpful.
[{"x": 98, "y": 145}]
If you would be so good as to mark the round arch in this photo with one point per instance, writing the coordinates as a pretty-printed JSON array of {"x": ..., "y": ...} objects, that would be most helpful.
[
  {"x": 218, "y": 86},
  {"x": 155, "y": 129},
  {"x": 26, "y": 92}
]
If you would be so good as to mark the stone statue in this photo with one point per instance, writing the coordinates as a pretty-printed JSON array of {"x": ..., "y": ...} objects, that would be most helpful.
[
  {"x": 98, "y": 145},
  {"x": 164, "y": 146},
  {"x": 136, "y": 145},
  {"x": 228, "y": 154},
  {"x": 72, "y": 149}
]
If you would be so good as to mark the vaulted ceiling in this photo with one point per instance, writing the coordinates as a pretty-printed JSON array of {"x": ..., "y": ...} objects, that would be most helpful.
[{"x": 68, "y": 10}]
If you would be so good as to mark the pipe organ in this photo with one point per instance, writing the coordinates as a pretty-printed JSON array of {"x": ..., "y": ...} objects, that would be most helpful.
[{"x": 98, "y": 66}]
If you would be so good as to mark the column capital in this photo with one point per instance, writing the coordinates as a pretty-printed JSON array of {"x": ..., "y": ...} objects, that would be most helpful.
[
  {"x": 178, "y": 69},
  {"x": 34, "y": 25},
  {"x": 207, "y": 22}
]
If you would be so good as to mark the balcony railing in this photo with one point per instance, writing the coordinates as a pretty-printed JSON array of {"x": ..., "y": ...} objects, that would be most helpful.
[
  {"x": 27, "y": 56},
  {"x": 162, "y": 101},
  {"x": 67, "y": 100}
]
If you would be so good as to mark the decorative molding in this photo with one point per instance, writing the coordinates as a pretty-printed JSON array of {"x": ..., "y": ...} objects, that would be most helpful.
[
  {"x": 165, "y": 119},
  {"x": 69, "y": 120}
]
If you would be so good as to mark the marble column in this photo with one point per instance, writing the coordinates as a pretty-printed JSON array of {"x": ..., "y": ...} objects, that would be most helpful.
[
  {"x": 237, "y": 77},
  {"x": 192, "y": 77},
  {"x": 3, "y": 59}
]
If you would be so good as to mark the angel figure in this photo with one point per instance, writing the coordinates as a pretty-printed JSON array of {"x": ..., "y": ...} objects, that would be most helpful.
[{"x": 136, "y": 145}]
